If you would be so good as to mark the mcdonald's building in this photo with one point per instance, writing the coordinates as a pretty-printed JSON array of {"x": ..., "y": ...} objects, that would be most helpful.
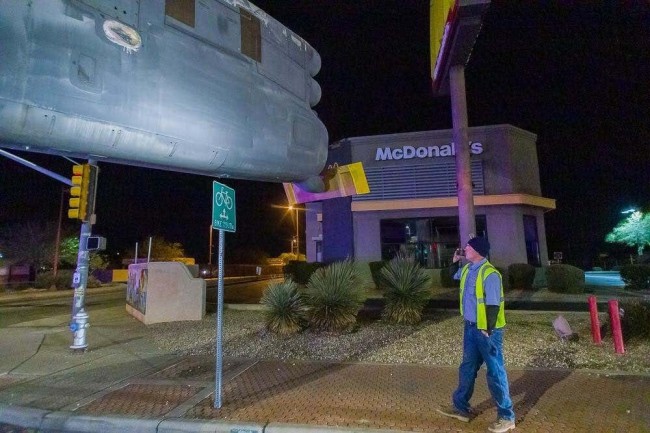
[{"x": 412, "y": 204}]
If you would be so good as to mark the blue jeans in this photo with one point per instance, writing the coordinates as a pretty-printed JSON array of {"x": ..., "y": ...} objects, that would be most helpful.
[{"x": 477, "y": 348}]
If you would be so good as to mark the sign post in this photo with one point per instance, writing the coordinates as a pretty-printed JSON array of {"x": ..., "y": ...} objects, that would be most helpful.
[{"x": 223, "y": 219}]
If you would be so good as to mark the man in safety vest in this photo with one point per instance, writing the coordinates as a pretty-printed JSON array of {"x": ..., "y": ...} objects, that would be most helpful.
[{"x": 482, "y": 308}]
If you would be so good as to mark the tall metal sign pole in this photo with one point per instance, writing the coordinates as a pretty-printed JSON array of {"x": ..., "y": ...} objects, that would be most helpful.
[
  {"x": 454, "y": 26},
  {"x": 466, "y": 219},
  {"x": 224, "y": 219}
]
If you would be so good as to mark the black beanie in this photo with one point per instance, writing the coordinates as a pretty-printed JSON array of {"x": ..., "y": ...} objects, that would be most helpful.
[{"x": 480, "y": 245}]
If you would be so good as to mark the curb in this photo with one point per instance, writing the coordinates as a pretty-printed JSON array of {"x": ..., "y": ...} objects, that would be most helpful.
[
  {"x": 22, "y": 416},
  {"x": 59, "y": 421},
  {"x": 276, "y": 427},
  {"x": 67, "y": 422}
]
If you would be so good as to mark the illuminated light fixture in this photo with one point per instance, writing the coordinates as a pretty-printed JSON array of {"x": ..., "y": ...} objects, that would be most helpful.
[
  {"x": 629, "y": 211},
  {"x": 122, "y": 35}
]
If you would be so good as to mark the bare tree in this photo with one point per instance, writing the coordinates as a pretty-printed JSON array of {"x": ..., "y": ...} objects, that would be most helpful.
[{"x": 30, "y": 243}]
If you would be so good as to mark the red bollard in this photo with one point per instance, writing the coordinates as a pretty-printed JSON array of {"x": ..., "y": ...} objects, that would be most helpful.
[
  {"x": 595, "y": 323},
  {"x": 615, "y": 323}
]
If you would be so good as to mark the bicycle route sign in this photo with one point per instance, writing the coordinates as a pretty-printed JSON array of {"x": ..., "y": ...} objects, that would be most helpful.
[{"x": 223, "y": 208}]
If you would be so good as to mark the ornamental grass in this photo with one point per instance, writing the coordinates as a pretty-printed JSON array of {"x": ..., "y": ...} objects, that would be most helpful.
[
  {"x": 286, "y": 309},
  {"x": 407, "y": 290},
  {"x": 334, "y": 296}
]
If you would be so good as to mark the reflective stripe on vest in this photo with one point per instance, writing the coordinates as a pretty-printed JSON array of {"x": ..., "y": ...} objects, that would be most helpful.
[{"x": 484, "y": 271}]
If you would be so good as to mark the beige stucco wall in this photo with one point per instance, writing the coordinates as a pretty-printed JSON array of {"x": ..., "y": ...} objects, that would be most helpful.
[{"x": 172, "y": 294}]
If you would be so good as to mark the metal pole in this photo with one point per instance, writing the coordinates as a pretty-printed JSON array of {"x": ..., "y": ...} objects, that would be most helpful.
[
  {"x": 33, "y": 166},
  {"x": 595, "y": 323},
  {"x": 219, "y": 355},
  {"x": 467, "y": 223},
  {"x": 615, "y": 324},
  {"x": 57, "y": 245},
  {"x": 297, "y": 238},
  {"x": 210, "y": 253},
  {"x": 135, "y": 259},
  {"x": 149, "y": 253},
  {"x": 79, "y": 321}
]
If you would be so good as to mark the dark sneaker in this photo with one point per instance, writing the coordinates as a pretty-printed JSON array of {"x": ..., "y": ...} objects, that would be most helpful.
[
  {"x": 452, "y": 412},
  {"x": 501, "y": 426}
]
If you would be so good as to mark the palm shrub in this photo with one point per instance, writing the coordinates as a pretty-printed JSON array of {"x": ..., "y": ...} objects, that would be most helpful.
[
  {"x": 334, "y": 296},
  {"x": 406, "y": 290},
  {"x": 286, "y": 309}
]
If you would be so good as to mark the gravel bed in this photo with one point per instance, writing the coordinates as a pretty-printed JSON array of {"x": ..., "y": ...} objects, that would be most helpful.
[{"x": 529, "y": 342}]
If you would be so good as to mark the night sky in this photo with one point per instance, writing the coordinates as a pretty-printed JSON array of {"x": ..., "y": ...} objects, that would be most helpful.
[{"x": 576, "y": 75}]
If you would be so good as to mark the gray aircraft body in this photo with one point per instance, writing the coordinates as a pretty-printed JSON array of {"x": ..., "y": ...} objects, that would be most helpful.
[{"x": 213, "y": 87}]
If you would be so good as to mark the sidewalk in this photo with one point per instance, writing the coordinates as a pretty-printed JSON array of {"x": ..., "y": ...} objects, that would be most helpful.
[{"x": 126, "y": 384}]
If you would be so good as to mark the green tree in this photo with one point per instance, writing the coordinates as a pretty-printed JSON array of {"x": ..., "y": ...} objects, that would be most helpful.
[
  {"x": 161, "y": 250},
  {"x": 70, "y": 249},
  {"x": 634, "y": 231}
]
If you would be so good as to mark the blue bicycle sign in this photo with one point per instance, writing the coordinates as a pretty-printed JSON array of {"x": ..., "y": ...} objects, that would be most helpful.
[{"x": 223, "y": 207}]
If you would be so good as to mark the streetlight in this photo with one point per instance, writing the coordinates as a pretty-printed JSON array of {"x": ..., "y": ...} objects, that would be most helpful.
[
  {"x": 291, "y": 207},
  {"x": 631, "y": 210},
  {"x": 297, "y": 236}
]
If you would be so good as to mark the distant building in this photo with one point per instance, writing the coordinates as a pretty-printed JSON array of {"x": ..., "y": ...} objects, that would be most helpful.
[{"x": 412, "y": 205}]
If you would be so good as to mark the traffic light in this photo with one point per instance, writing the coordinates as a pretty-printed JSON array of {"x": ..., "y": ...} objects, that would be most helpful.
[{"x": 82, "y": 192}]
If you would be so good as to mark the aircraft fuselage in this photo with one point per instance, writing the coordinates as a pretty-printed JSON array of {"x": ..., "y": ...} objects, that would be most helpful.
[{"x": 218, "y": 88}]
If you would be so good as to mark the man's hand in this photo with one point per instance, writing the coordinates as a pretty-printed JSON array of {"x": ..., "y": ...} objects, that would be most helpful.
[
  {"x": 484, "y": 332},
  {"x": 457, "y": 256}
]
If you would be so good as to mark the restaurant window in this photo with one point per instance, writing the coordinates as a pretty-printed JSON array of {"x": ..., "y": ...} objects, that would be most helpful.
[
  {"x": 532, "y": 240},
  {"x": 430, "y": 241}
]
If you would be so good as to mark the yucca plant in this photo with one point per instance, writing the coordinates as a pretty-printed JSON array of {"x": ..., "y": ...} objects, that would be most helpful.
[
  {"x": 285, "y": 314},
  {"x": 406, "y": 290},
  {"x": 334, "y": 297}
]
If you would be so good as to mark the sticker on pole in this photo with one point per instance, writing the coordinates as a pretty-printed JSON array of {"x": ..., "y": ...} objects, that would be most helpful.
[{"x": 223, "y": 208}]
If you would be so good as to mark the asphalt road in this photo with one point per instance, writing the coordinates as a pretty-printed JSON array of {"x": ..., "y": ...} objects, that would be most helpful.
[
  {"x": 24, "y": 310},
  {"x": 31, "y": 308},
  {"x": 244, "y": 292}
]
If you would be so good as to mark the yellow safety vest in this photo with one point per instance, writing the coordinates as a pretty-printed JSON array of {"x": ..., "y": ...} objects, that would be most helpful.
[{"x": 484, "y": 271}]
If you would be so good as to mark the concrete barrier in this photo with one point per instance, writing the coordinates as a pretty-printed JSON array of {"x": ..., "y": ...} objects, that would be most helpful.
[{"x": 164, "y": 292}]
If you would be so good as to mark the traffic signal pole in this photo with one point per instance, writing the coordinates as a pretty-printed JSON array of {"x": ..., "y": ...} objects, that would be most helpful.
[
  {"x": 83, "y": 209},
  {"x": 83, "y": 188},
  {"x": 79, "y": 322}
]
